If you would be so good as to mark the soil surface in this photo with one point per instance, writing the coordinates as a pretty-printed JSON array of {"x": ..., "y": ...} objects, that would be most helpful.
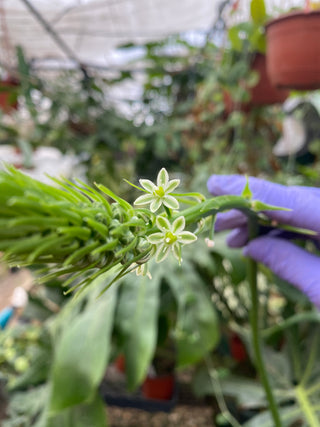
[
  {"x": 181, "y": 415},
  {"x": 184, "y": 409}
]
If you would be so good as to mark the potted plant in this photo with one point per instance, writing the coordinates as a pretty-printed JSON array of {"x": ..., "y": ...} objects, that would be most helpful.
[
  {"x": 251, "y": 84},
  {"x": 160, "y": 381},
  {"x": 293, "y": 50}
]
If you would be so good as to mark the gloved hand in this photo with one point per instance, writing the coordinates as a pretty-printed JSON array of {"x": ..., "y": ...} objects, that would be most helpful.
[{"x": 288, "y": 261}]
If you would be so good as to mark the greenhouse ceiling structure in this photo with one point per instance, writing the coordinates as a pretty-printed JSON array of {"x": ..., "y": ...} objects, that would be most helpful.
[{"x": 87, "y": 31}]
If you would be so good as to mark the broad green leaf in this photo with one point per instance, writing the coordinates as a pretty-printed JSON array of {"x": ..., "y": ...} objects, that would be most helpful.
[
  {"x": 82, "y": 352},
  {"x": 258, "y": 12},
  {"x": 92, "y": 414},
  {"x": 137, "y": 319},
  {"x": 197, "y": 330}
]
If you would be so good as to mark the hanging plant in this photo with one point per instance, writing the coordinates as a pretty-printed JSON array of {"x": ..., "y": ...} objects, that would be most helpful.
[{"x": 252, "y": 87}]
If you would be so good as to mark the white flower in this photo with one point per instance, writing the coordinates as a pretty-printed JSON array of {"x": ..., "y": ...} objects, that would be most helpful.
[
  {"x": 142, "y": 270},
  {"x": 159, "y": 194},
  {"x": 171, "y": 237}
]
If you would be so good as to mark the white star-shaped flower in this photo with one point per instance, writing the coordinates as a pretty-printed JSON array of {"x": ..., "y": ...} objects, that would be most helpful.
[
  {"x": 160, "y": 194},
  {"x": 170, "y": 238}
]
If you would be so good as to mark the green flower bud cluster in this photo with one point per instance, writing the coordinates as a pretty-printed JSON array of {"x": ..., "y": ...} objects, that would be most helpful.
[
  {"x": 71, "y": 228},
  {"x": 18, "y": 347}
]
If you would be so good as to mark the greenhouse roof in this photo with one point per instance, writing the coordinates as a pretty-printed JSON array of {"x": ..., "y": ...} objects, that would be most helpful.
[{"x": 87, "y": 31}]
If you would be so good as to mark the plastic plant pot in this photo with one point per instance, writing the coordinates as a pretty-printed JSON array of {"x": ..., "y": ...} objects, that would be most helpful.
[
  {"x": 293, "y": 50},
  {"x": 159, "y": 387},
  {"x": 262, "y": 94},
  {"x": 265, "y": 93}
]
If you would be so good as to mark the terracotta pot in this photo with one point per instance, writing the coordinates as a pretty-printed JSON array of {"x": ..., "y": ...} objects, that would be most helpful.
[
  {"x": 160, "y": 388},
  {"x": 8, "y": 100},
  {"x": 293, "y": 50},
  {"x": 264, "y": 93}
]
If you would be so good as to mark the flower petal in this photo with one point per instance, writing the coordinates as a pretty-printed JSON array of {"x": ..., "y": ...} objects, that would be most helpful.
[
  {"x": 170, "y": 202},
  {"x": 143, "y": 270},
  {"x": 177, "y": 251},
  {"x": 147, "y": 185},
  {"x": 155, "y": 204},
  {"x": 163, "y": 223},
  {"x": 178, "y": 225},
  {"x": 186, "y": 237},
  {"x": 156, "y": 238},
  {"x": 172, "y": 184},
  {"x": 162, "y": 178},
  {"x": 144, "y": 199},
  {"x": 162, "y": 253}
]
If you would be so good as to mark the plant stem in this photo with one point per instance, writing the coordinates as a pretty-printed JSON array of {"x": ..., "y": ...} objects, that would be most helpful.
[
  {"x": 216, "y": 386},
  {"x": 313, "y": 389},
  {"x": 311, "y": 360},
  {"x": 307, "y": 409},
  {"x": 254, "y": 321}
]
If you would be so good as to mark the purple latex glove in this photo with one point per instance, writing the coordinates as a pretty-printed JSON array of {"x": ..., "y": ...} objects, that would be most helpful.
[{"x": 288, "y": 261}]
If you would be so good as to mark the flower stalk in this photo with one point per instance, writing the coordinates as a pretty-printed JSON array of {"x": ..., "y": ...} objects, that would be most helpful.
[
  {"x": 254, "y": 323},
  {"x": 73, "y": 228}
]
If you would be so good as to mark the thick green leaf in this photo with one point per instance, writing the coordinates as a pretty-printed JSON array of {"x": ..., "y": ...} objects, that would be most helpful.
[
  {"x": 258, "y": 12},
  {"x": 197, "y": 330},
  {"x": 92, "y": 414},
  {"x": 82, "y": 352},
  {"x": 137, "y": 319}
]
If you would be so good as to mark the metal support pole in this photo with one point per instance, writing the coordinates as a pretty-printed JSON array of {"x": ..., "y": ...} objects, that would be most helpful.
[{"x": 58, "y": 40}]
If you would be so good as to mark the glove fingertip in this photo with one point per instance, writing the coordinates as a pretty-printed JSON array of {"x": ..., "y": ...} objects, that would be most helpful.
[{"x": 238, "y": 237}]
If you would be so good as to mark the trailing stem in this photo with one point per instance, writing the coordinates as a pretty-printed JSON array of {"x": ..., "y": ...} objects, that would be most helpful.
[{"x": 256, "y": 340}]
